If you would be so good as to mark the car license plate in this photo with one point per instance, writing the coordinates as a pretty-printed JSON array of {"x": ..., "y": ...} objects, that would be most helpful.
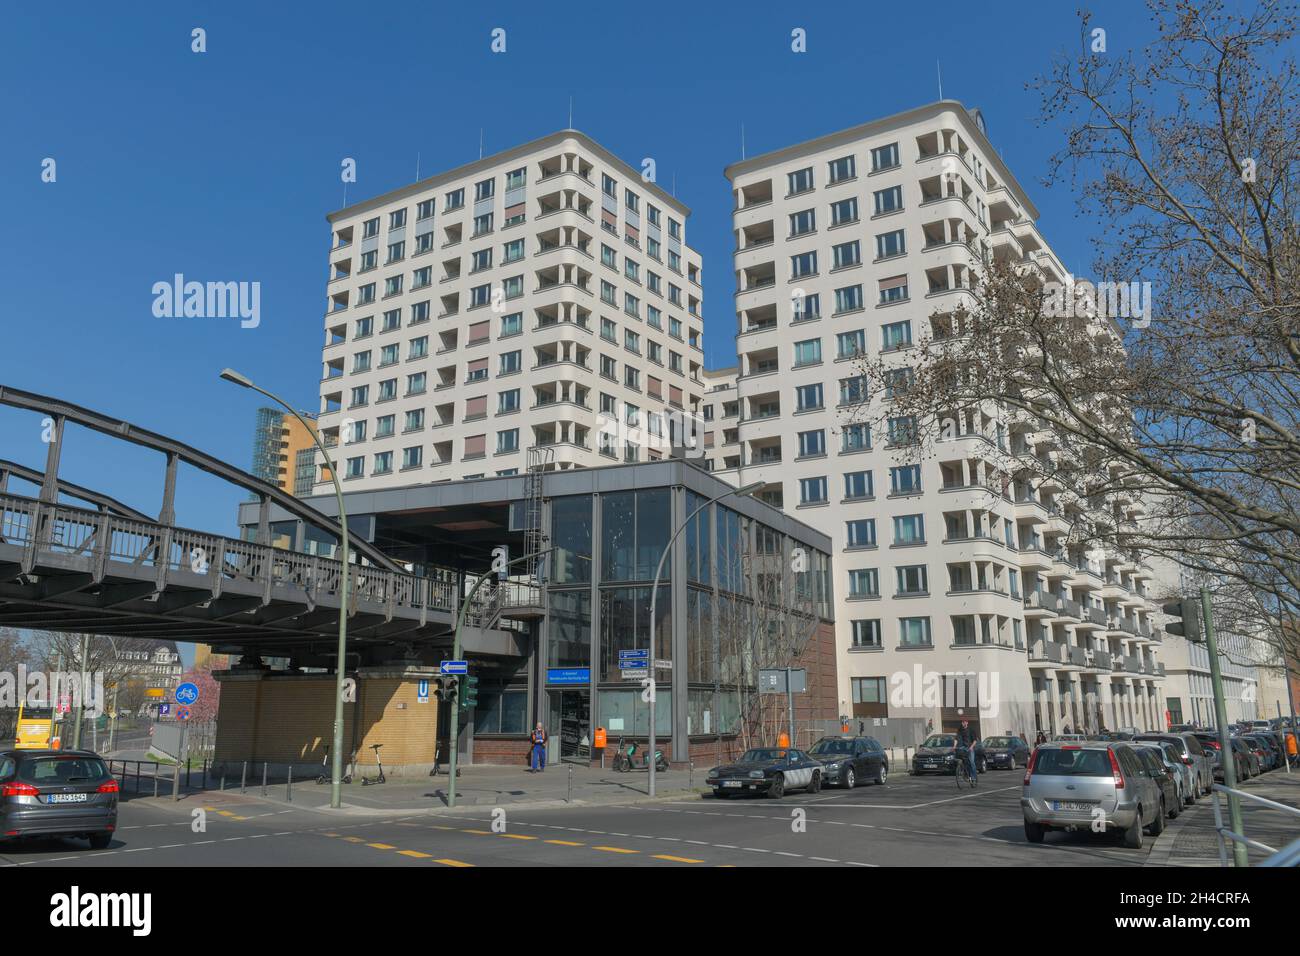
[
  {"x": 1070, "y": 805},
  {"x": 65, "y": 798},
  {"x": 930, "y": 764},
  {"x": 732, "y": 783}
]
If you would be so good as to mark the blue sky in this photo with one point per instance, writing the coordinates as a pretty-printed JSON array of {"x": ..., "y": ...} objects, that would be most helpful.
[{"x": 222, "y": 165}]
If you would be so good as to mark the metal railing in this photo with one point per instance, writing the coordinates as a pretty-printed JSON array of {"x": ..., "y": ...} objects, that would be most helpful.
[{"x": 1287, "y": 856}]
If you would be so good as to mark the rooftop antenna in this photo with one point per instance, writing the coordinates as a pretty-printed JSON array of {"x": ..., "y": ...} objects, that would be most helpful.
[
  {"x": 480, "y": 142},
  {"x": 742, "y": 140},
  {"x": 417, "y": 166},
  {"x": 939, "y": 70},
  {"x": 570, "y": 112},
  {"x": 674, "y": 184}
]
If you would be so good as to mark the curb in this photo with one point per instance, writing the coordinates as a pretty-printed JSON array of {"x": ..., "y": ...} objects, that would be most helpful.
[{"x": 1163, "y": 847}]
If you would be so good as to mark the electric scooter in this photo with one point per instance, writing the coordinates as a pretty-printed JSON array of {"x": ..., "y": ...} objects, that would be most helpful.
[
  {"x": 627, "y": 759},
  {"x": 367, "y": 781},
  {"x": 325, "y": 770}
]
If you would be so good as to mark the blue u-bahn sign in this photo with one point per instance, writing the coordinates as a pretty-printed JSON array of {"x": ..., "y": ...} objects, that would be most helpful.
[{"x": 568, "y": 675}]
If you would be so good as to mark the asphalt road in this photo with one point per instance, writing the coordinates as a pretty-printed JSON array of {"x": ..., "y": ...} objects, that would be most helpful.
[{"x": 907, "y": 822}]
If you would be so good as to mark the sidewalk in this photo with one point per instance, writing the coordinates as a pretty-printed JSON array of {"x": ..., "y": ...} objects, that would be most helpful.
[
  {"x": 1191, "y": 841},
  {"x": 478, "y": 786}
]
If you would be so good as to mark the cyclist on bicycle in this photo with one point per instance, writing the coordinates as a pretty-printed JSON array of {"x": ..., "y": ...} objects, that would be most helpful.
[{"x": 966, "y": 741}]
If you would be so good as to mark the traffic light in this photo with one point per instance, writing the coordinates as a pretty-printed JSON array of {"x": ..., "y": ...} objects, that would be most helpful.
[
  {"x": 470, "y": 697},
  {"x": 447, "y": 688},
  {"x": 1189, "y": 610}
]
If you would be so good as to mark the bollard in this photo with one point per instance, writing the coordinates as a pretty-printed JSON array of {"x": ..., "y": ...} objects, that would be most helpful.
[
  {"x": 263, "y": 778},
  {"x": 570, "y": 799},
  {"x": 137, "y": 780},
  {"x": 288, "y": 793},
  {"x": 223, "y": 778},
  {"x": 189, "y": 774},
  {"x": 176, "y": 781},
  {"x": 243, "y": 778},
  {"x": 692, "y": 777},
  {"x": 155, "y": 779}
]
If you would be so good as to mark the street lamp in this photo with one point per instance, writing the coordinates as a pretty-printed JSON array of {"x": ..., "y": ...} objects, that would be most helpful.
[
  {"x": 749, "y": 489},
  {"x": 336, "y": 771}
]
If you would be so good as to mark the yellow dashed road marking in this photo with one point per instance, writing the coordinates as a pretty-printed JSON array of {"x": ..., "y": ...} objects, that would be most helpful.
[
  {"x": 415, "y": 853},
  {"x": 676, "y": 859},
  {"x": 614, "y": 849},
  {"x": 354, "y": 840},
  {"x": 518, "y": 836},
  {"x": 381, "y": 846},
  {"x": 452, "y": 863},
  {"x": 565, "y": 843},
  {"x": 479, "y": 832}
]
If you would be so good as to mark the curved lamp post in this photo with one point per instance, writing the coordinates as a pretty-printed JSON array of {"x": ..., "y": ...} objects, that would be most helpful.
[
  {"x": 654, "y": 593},
  {"x": 345, "y": 574}
]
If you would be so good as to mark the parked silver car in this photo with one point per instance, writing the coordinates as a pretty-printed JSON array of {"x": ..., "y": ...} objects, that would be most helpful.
[
  {"x": 1184, "y": 778},
  {"x": 1093, "y": 785},
  {"x": 1193, "y": 753}
]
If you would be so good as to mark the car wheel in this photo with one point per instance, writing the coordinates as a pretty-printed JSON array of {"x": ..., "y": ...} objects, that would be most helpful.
[
  {"x": 1133, "y": 835},
  {"x": 848, "y": 778},
  {"x": 1033, "y": 832},
  {"x": 816, "y": 785},
  {"x": 983, "y": 765},
  {"x": 882, "y": 774},
  {"x": 1158, "y": 824},
  {"x": 100, "y": 841},
  {"x": 1177, "y": 808},
  {"x": 777, "y": 790},
  {"x": 1189, "y": 798}
]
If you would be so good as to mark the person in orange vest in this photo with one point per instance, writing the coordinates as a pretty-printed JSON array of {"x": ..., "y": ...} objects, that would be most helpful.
[{"x": 538, "y": 738}]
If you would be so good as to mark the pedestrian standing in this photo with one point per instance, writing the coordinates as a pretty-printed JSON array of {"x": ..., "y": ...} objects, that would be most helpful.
[{"x": 538, "y": 739}]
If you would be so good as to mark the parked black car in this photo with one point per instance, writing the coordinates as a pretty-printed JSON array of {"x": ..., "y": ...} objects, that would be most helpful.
[
  {"x": 1005, "y": 753},
  {"x": 56, "y": 793},
  {"x": 938, "y": 754},
  {"x": 769, "y": 770},
  {"x": 1164, "y": 777},
  {"x": 849, "y": 761}
]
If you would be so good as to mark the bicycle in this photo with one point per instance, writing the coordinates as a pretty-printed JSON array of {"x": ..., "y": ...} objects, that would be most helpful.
[{"x": 962, "y": 771}]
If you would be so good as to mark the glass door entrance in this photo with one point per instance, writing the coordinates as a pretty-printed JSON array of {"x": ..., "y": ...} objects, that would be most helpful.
[{"x": 570, "y": 723}]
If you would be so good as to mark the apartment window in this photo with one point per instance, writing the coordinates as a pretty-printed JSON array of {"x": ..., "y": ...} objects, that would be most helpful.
[
  {"x": 512, "y": 324},
  {"x": 383, "y": 463},
  {"x": 513, "y": 251},
  {"x": 366, "y": 294},
  {"x": 848, "y": 299},
  {"x": 847, "y": 254},
  {"x": 912, "y": 579},
  {"x": 423, "y": 242},
  {"x": 893, "y": 290},
  {"x": 608, "y": 404},
  {"x": 387, "y": 355},
  {"x": 515, "y": 178},
  {"x": 890, "y": 244},
  {"x": 609, "y": 186},
  {"x": 508, "y": 401},
  {"x": 884, "y": 157},
  {"x": 631, "y": 200},
  {"x": 844, "y": 211},
  {"x": 896, "y": 335},
  {"x": 361, "y": 362},
  {"x": 424, "y": 210},
  {"x": 803, "y": 265},
  {"x": 508, "y": 441},
  {"x": 483, "y": 224},
  {"x": 369, "y": 260},
  {"x": 674, "y": 259},
  {"x": 675, "y": 362},
  {"x": 608, "y": 294},
  {"x": 631, "y": 304},
  {"x": 480, "y": 260},
  {"x": 608, "y": 330},
  {"x": 851, "y": 344},
  {"x": 674, "y": 229},
  {"x": 866, "y": 633},
  {"x": 653, "y": 282},
  {"x": 864, "y": 582},
  {"x": 655, "y": 352},
  {"x": 387, "y": 390},
  {"x": 631, "y": 341},
  {"x": 807, "y": 352},
  {"x": 808, "y": 397},
  {"x": 360, "y": 395},
  {"x": 801, "y": 181},
  {"x": 414, "y": 420},
  {"x": 393, "y": 286},
  {"x": 513, "y": 287},
  {"x": 453, "y": 200},
  {"x": 608, "y": 256},
  {"x": 418, "y": 348},
  {"x": 904, "y": 479},
  {"x": 856, "y": 437},
  {"x": 914, "y": 632},
  {"x": 888, "y": 200},
  {"x": 397, "y": 219},
  {"x": 480, "y": 295},
  {"x": 392, "y": 321},
  {"x": 909, "y": 529},
  {"x": 485, "y": 189},
  {"x": 902, "y": 430},
  {"x": 631, "y": 270},
  {"x": 652, "y": 214},
  {"x": 511, "y": 362},
  {"x": 857, "y": 485},
  {"x": 812, "y": 490},
  {"x": 412, "y": 457},
  {"x": 632, "y": 377},
  {"x": 841, "y": 169},
  {"x": 477, "y": 371},
  {"x": 420, "y": 312},
  {"x": 853, "y": 391},
  {"x": 802, "y": 223},
  {"x": 384, "y": 426},
  {"x": 370, "y": 228},
  {"x": 396, "y": 251},
  {"x": 898, "y": 381},
  {"x": 357, "y": 433},
  {"x": 806, "y": 307},
  {"x": 356, "y": 467},
  {"x": 422, "y": 277},
  {"x": 860, "y": 533},
  {"x": 608, "y": 367},
  {"x": 417, "y": 383},
  {"x": 812, "y": 443}
]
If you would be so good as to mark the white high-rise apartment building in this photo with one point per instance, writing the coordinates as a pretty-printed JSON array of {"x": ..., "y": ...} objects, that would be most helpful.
[
  {"x": 513, "y": 303},
  {"x": 866, "y": 240}
]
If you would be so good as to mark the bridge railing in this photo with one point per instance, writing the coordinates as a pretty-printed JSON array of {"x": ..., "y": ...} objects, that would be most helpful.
[{"x": 105, "y": 538}]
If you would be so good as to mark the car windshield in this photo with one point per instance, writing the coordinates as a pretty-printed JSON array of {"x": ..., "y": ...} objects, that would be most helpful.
[
  {"x": 1001, "y": 741},
  {"x": 763, "y": 755},
  {"x": 57, "y": 771},
  {"x": 940, "y": 740},
  {"x": 832, "y": 747},
  {"x": 1059, "y": 762}
]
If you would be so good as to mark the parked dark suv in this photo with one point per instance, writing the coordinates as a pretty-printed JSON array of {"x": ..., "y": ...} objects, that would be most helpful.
[{"x": 51, "y": 793}]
